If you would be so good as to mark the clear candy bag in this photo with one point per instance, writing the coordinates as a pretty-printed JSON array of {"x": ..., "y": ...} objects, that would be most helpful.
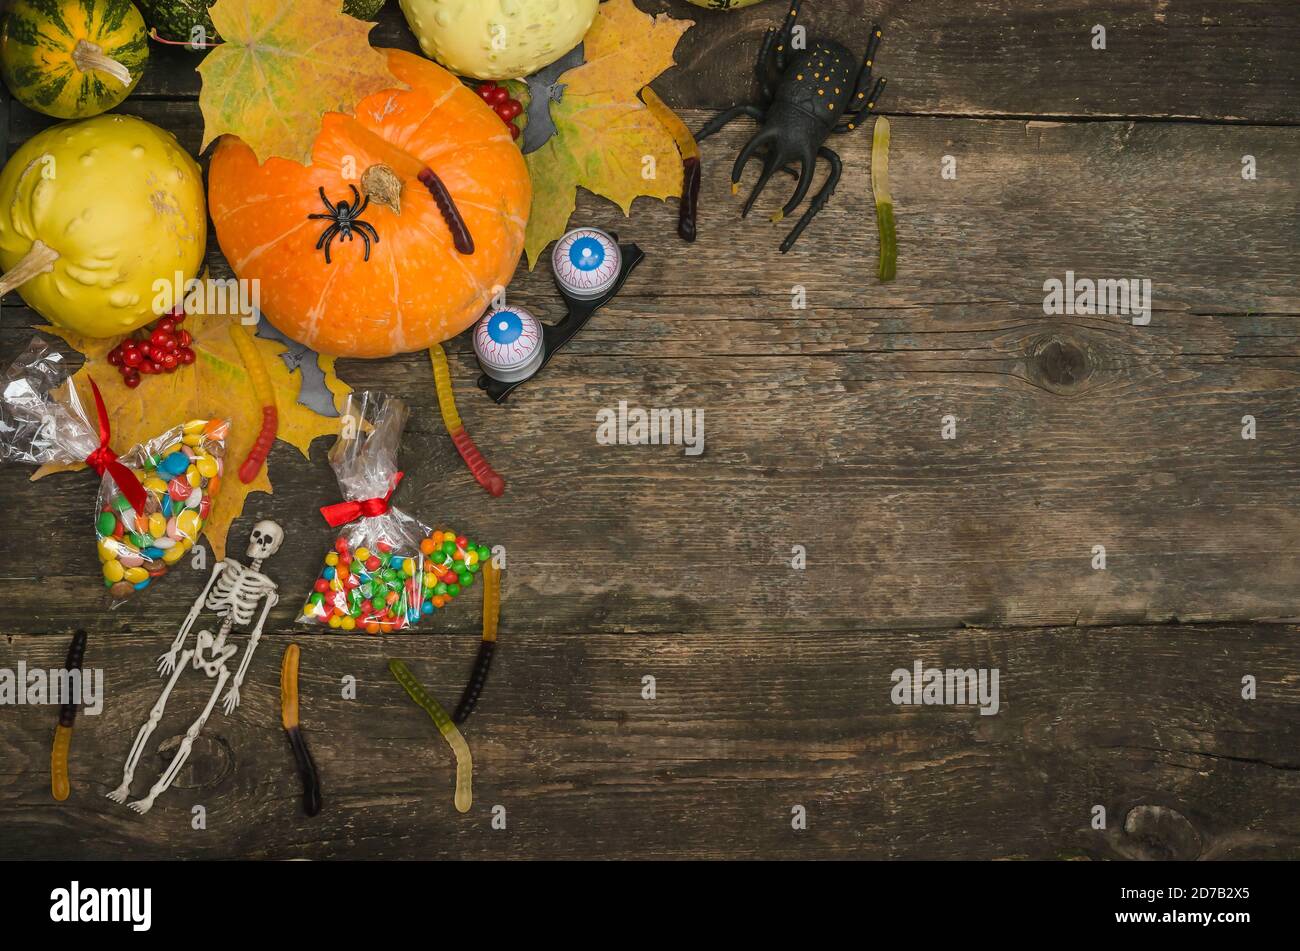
[
  {"x": 152, "y": 502},
  {"x": 180, "y": 471},
  {"x": 371, "y": 577},
  {"x": 35, "y": 427}
]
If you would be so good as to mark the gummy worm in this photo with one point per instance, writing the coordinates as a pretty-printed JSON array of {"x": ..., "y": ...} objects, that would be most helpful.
[
  {"x": 460, "y": 235},
  {"x": 464, "y": 764},
  {"x": 884, "y": 201},
  {"x": 265, "y": 395},
  {"x": 483, "y": 473},
  {"x": 486, "y": 648},
  {"x": 60, "y": 787},
  {"x": 690, "y": 150},
  {"x": 289, "y": 719}
]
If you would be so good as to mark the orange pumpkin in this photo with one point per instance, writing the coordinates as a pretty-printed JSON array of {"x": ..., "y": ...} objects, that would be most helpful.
[{"x": 421, "y": 170}]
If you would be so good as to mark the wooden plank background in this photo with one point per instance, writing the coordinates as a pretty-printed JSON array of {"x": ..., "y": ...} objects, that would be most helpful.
[{"x": 1120, "y": 688}]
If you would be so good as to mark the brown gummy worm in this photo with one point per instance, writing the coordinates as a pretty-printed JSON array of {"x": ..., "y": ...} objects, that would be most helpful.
[
  {"x": 487, "y": 646},
  {"x": 690, "y": 198},
  {"x": 460, "y": 235}
]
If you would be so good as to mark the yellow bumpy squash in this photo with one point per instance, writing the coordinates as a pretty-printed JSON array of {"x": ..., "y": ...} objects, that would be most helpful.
[
  {"x": 102, "y": 222},
  {"x": 498, "y": 39}
]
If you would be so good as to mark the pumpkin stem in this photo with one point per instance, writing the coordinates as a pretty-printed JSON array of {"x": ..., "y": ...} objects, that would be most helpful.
[
  {"x": 380, "y": 184},
  {"x": 39, "y": 259},
  {"x": 87, "y": 56}
]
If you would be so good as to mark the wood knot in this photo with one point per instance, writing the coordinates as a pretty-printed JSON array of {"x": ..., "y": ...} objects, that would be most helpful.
[
  {"x": 1158, "y": 832},
  {"x": 210, "y": 761},
  {"x": 1059, "y": 364}
]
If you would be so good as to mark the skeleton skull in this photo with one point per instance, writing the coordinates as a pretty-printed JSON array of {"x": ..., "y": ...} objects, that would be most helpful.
[{"x": 265, "y": 540}]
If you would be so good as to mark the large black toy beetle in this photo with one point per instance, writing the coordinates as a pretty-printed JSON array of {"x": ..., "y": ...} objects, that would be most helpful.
[{"x": 810, "y": 93}]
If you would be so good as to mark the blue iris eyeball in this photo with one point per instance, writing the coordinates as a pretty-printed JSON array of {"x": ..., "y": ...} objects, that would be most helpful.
[
  {"x": 586, "y": 254},
  {"x": 505, "y": 326}
]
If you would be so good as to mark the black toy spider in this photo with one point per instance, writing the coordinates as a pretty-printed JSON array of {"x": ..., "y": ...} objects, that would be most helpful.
[
  {"x": 810, "y": 93},
  {"x": 347, "y": 221}
]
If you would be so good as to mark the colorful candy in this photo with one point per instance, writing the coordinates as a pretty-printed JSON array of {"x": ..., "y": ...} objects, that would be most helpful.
[
  {"x": 137, "y": 548},
  {"x": 389, "y": 590}
]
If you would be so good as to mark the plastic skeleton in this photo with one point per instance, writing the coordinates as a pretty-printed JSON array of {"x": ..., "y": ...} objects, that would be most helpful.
[{"x": 233, "y": 592}]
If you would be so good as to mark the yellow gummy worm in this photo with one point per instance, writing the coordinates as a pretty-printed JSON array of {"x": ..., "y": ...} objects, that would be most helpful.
[
  {"x": 491, "y": 599},
  {"x": 289, "y": 687},
  {"x": 686, "y": 143},
  {"x": 257, "y": 374},
  {"x": 442, "y": 383},
  {"x": 464, "y": 763},
  {"x": 60, "y": 787},
  {"x": 884, "y": 201}
]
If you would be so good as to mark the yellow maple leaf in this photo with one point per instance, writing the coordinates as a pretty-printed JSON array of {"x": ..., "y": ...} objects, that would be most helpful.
[
  {"x": 283, "y": 65},
  {"x": 215, "y": 385},
  {"x": 605, "y": 137}
]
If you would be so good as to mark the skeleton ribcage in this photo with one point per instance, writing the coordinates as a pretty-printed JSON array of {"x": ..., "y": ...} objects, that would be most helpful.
[{"x": 236, "y": 593}]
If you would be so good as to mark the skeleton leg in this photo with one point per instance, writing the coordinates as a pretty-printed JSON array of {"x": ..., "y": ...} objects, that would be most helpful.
[
  {"x": 133, "y": 758},
  {"x": 167, "y": 662},
  {"x": 232, "y": 698},
  {"x": 144, "y": 805}
]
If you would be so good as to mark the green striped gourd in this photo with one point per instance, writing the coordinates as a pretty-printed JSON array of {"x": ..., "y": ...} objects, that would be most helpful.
[{"x": 72, "y": 58}]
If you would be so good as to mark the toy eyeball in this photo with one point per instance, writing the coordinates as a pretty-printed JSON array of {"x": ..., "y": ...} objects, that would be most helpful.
[
  {"x": 586, "y": 262},
  {"x": 508, "y": 344}
]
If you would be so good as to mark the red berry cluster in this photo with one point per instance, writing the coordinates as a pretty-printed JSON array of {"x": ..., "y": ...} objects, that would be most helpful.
[
  {"x": 498, "y": 97},
  {"x": 160, "y": 350}
]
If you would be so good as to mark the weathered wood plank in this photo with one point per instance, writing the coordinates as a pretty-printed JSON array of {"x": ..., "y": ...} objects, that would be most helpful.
[
  {"x": 743, "y": 727},
  {"x": 1161, "y": 201},
  {"x": 1237, "y": 61}
]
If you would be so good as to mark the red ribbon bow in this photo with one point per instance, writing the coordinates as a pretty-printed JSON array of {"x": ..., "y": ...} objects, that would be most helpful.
[
  {"x": 104, "y": 459},
  {"x": 340, "y": 513}
]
